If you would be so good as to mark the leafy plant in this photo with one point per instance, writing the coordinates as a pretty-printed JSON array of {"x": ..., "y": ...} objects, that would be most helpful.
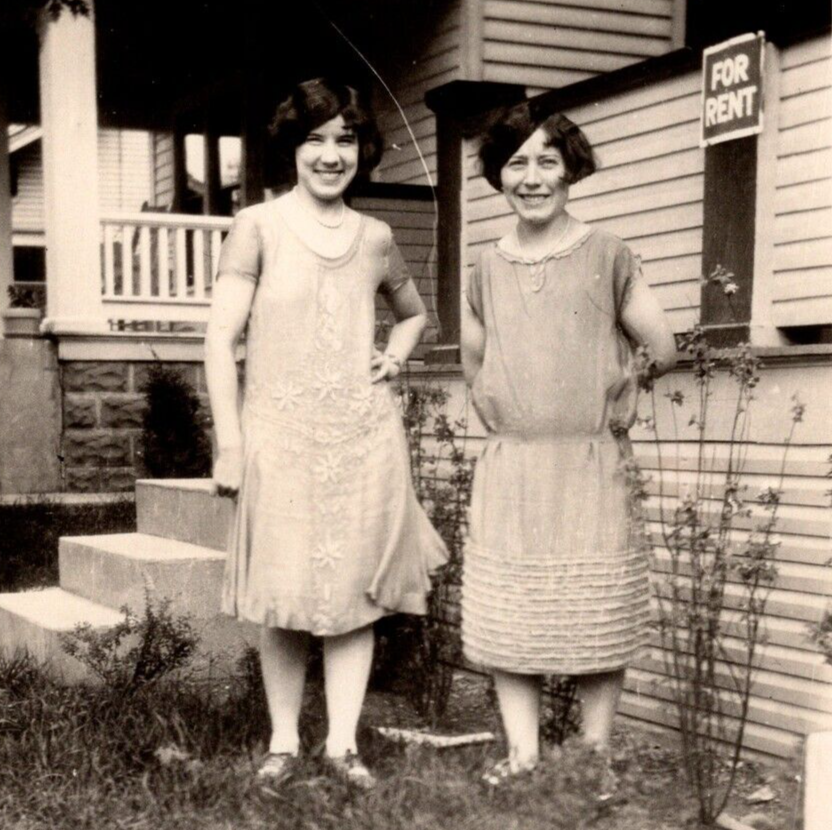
[
  {"x": 821, "y": 634},
  {"x": 561, "y": 715},
  {"x": 422, "y": 651},
  {"x": 138, "y": 650},
  {"x": 174, "y": 439},
  {"x": 705, "y": 549},
  {"x": 26, "y": 297}
]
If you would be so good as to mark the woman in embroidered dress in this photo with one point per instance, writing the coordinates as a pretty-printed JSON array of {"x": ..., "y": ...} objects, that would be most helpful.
[
  {"x": 555, "y": 577},
  {"x": 328, "y": 535}
]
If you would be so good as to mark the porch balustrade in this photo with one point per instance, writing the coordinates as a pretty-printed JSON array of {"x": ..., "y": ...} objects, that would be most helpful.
[{"x": 159, "y": 267}]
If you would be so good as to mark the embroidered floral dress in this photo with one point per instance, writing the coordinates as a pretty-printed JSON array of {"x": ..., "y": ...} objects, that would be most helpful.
[
  {"x": 328, "y": 535},
  {"x": 555, "y": 574}
]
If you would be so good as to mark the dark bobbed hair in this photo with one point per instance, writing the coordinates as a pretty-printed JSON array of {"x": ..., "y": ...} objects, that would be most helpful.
[
  {"x": 313, "y": 103},
  {"x": 512, "y": 126}
]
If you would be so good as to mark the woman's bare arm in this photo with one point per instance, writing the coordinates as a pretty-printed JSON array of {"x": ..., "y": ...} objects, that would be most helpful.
[
  {"x": 472, "y": 343},
  {"x": 230, "y": 309},
  {"x": 411, "y": 318},
  {"x": 645, "y": 322}
]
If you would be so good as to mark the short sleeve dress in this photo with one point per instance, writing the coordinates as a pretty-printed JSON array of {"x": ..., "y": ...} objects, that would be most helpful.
[
  {"x": 328, "y": 534},
  {"x": 555, "y": 575}
]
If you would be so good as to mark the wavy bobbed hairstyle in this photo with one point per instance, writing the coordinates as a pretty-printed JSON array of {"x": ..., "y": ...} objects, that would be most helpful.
[
  {"x": 313, "y": 103},
  {"x": 512, "y": 126}
]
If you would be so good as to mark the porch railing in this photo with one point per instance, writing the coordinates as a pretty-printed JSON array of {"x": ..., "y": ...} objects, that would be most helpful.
[{"x": 159, "y": 267}]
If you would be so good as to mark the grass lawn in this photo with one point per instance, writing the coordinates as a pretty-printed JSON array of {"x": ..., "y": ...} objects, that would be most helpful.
[{"x": 181, "y": 755}]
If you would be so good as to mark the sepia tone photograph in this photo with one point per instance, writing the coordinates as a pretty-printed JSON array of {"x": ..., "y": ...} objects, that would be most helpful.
[{"x": 415, "y": 415}]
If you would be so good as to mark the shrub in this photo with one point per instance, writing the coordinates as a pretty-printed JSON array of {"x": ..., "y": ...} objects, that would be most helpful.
[
  {"x": 174, "y": 439},
  {"x": 138, "y": 650},
  {"x": 417, "y": 655},
  {"x": 705, "y": 551},
  {"x": 27, "y": 297}
]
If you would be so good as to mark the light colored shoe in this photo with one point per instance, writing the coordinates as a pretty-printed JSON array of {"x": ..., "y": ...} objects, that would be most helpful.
[
  {"x": 276, "y": 768},
  {"x": 352, "y": 770},
  {"x": 502, "y": 771},
  {"x": 608, "y": 788}
]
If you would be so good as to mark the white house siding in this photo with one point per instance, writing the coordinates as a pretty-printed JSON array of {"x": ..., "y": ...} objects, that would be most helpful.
[
  {"x": 545, "y": 44},
  {"x": 648, "y": 190},
  {"x": 802, "y": 280},
  {"x": 125, "y": 169},
  {"x": 414, "y": 229},
  {"x": 124, "y": 177},
  {"x": 792, "y": 695},
  {"x": 27, "y": 205},
  {"x": 428, "y": 59},
  {"x": 163, "y": 169}
]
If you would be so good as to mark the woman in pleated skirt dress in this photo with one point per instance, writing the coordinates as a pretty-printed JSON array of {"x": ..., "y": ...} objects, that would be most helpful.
[{"x": 555, "y": 574}]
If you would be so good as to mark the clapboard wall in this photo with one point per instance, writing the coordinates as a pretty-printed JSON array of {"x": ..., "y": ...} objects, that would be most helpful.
[
  {"x": 648, "y": 191},
  {"x": 793, "y": 685},
  {"x": 430, "y": 56},
  {"x": 802, "y": 262},
  {"x": 413, "y": 222},
  {"x": 125, "y": 177},
  {"x": 27, "y": 205},
  {"x": 163, "y": 177},
  {"x": 545, "y": 44},
  {"x": 539, "y": 44}
]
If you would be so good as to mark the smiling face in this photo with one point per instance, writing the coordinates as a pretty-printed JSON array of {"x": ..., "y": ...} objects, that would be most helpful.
[
  {"x": 533, "y": 181},
  {"x": 327, "y": 160}
]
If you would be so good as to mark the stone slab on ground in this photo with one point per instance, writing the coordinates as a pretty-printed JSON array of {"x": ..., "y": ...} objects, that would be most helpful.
[
  {"x": 817, "y": 809},
  {"x": 120, "y": 569},
  {"x": 33, "y": 621},
  {"x": 183, "y": 509}
]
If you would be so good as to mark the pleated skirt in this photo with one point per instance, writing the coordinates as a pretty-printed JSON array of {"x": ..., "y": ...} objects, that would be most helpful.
[{"x": 556, "y": 571}]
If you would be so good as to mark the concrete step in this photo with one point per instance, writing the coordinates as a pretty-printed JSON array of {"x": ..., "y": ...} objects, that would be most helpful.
[
  {"x": 33, "y": 621},
  {"x": 121, "y": 569},
  {"x": 125, "y": 568},
  {"x": 183, "y": 509}
]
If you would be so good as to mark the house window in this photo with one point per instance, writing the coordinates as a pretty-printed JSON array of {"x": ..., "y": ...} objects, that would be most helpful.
[{"x": 29, "y": 264}]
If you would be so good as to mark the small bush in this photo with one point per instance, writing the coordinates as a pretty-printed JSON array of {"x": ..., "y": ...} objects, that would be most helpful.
[
  {"x": 175, "y": 443},
  {"x": 161, "y": 643}
]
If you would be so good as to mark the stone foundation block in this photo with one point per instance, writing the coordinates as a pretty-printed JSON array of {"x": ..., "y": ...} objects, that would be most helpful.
[
  {"x": 96, "y": 449},
  {"x": 187, "y": 371},
  {"x": 100, "y": 479},
  {"x": 122, "y": 411},
  {"x": 79, "y": 412},
  {"x": 95, "y": 377}
]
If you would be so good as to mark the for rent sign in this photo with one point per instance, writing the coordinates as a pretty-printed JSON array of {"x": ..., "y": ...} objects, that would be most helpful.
[{"x": 732, "y": 89}]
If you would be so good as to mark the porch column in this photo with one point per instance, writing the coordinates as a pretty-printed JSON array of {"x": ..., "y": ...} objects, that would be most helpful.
[
  {"x": 254, "y": 111},
  {"x": 211, "y": 141},
  {"x": 6, "y": 252},
  {"x": 69, "y": 116}
]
